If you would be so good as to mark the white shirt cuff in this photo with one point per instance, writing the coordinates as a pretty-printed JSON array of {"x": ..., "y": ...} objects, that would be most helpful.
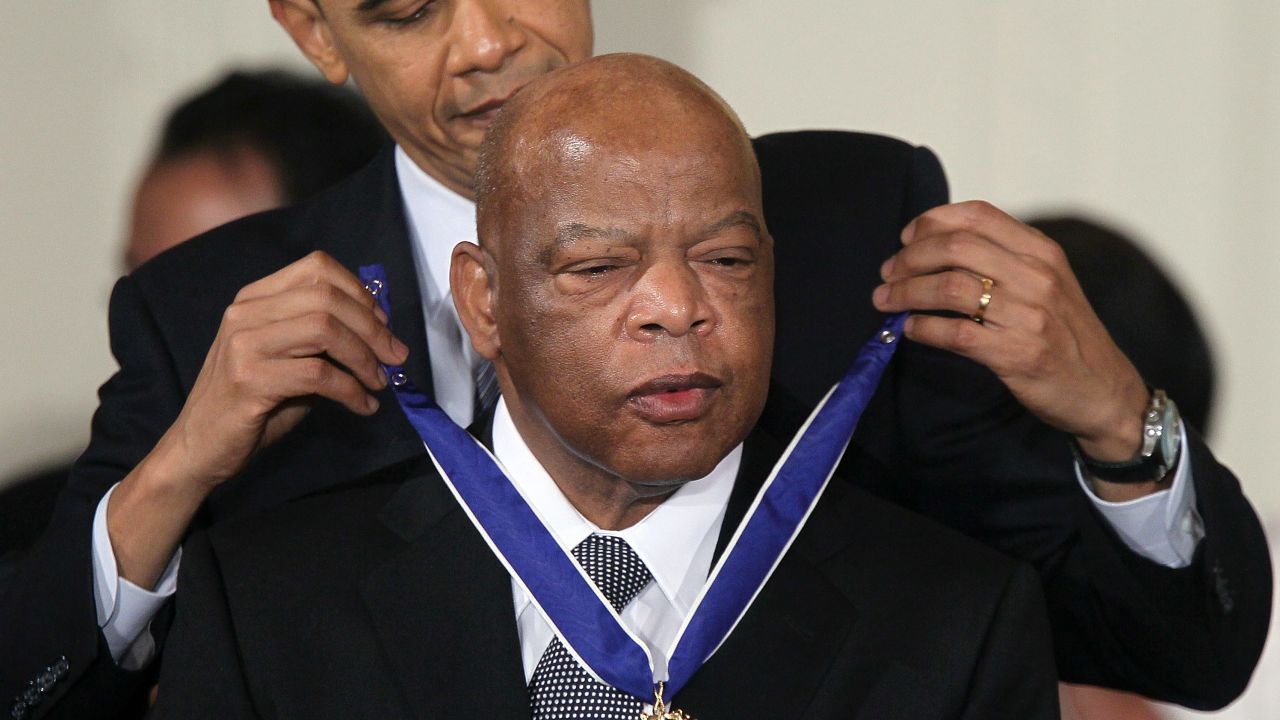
[
  {"x": 125, "y": 610},
  {"x": 1163, "y": 527}
]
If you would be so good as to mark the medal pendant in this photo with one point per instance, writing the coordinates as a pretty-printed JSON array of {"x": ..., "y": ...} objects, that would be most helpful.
[{"x": 661, "y": 711}]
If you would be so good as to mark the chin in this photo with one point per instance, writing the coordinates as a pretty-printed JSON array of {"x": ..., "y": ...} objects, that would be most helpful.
[{"x": 671, "y": 467}]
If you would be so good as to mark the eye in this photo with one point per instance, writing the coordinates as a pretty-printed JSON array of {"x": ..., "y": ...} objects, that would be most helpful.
[
  {"x": 730, "y": 258},
  {"x": 424, "y": 10},
  {"x": 595, "y": 270}
]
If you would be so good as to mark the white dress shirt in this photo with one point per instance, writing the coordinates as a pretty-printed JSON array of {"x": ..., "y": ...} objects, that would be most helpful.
[
  {"x": 676, "y": 542},
  {"x": 1163, "y": 527},
  {"x": 439, "y": 219}
]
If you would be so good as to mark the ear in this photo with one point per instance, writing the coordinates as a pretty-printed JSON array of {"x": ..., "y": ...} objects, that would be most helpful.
[
  {"x": 307, "y": 25},
  {"x": 474, "y": 286}
]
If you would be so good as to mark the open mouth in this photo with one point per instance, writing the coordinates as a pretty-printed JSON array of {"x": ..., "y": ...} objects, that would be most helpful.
[{"x": 674, "y": 398}]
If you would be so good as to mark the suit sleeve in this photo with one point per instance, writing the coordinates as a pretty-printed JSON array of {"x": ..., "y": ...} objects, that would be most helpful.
[
  {"x": 1014, "y": 677},
  {"x": 976, "y": 460},
  {"x": 47, "y": 612},
  {"x": 1190, "y": 635},
  {"x": 202, "y": 675}
]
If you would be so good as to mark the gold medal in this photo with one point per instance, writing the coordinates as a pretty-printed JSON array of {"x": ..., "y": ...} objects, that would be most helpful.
[{"x": 660, "y": 710}]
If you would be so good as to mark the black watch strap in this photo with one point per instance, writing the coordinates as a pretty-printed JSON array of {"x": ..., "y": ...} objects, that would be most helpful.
[
  {"x": 1137, "y": 470},
  {"x": 1159, "y": 452}
]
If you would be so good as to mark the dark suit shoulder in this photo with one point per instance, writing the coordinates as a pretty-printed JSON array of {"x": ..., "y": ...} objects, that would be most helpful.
[
  {"x": 833, "y": 146},
  {"x": 835, "y": 204},
  {"x": 813, "y": 167}
]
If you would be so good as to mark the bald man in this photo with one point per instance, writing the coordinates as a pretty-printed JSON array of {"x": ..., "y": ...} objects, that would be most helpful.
[{"x": 622, "y": 289}]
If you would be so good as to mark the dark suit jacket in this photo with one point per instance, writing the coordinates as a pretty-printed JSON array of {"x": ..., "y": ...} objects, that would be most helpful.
[
  {"x": 942, "y": 436},
  {"x": 382, "y": 601}
]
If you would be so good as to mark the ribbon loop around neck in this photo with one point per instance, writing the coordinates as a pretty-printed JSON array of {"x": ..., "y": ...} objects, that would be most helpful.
[{"x": 560, "y": 590}]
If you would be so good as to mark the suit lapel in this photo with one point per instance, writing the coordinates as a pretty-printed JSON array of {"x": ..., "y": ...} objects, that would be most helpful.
[
  {"x": 374, "y": 229},
  {"x": 371, "y": 228},
  {"x": 443, "y": 612},
  {"x": 772, "y": 663}
]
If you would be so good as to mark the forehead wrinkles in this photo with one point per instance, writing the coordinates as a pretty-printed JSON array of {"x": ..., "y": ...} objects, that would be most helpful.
[{"x": 625, "y": 105}]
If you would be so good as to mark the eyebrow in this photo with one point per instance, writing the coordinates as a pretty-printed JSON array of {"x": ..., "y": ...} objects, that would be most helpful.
[
  {"x": 367, "y": 6},
  {"x": 580, "y": 231},
  {"x": 739, "y": 218},
  {"x": 573, "y": 232}
]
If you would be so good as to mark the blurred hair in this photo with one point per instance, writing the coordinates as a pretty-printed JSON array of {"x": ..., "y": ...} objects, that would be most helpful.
[
  {"x": 1146, "y": 314},
  {"x": 313, "y": 133}
]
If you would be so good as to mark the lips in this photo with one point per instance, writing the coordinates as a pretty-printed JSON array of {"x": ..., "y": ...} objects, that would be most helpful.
[
  {"x": 484, "y": 113},
  {"x": 674, "y": 398}
]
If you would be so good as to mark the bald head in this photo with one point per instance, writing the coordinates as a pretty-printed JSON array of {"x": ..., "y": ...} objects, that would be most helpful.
[{"x": 622, "y": 103}]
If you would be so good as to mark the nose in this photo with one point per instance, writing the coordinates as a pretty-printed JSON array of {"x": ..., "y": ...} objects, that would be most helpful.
[
  {"x": 669, "y": 300},
  {"x": 486, "y": 34}
]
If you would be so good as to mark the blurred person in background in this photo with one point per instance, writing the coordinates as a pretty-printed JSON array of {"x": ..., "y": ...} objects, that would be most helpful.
[
  {"x": 248, "y": 142},
  {"x": 251, "y": 142}
]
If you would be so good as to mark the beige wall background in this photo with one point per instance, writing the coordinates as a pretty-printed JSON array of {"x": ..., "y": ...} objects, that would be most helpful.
[{"x": 1159, "y": 116}]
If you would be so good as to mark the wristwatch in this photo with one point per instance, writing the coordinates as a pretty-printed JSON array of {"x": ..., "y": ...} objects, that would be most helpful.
[{"x": 1161, "y": 442}]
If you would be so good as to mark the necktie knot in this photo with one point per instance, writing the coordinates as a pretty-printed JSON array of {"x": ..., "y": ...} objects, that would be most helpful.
[{"x": 614, "y": 567}]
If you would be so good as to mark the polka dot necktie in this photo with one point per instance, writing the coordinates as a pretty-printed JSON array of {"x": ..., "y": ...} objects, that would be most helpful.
[{"x": 560, "y": 688}]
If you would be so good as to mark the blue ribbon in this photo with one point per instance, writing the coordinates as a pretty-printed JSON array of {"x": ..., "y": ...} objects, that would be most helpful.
[{"x": 560, "y": 589}]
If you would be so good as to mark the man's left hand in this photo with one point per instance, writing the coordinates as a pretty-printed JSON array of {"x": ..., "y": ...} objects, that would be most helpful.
[{"x": 1037, "y": 333}]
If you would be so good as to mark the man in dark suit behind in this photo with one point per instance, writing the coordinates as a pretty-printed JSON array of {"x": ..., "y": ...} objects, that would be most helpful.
[
  {"x": 249, "y": 377},
  {"x": 623, "y": 292}
]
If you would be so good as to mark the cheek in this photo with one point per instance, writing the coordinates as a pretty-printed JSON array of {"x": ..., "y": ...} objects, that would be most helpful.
[
  {"x": 564, "y": 24},
  {"x": 402, "y": 85},
  {"x": 746, "y": 315},
  {"x": 561, "y": 347}
]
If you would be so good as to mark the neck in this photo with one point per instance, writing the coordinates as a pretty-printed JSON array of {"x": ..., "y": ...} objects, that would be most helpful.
[
  {"x": 608, "y": 501},
  {"x": 609, "y": 505},
  {"x": 605, "y": 498},
  {"x": 460, "y": 183}
]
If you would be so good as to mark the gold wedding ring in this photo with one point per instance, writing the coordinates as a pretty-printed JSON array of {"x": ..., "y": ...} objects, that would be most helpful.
[{"x": 984, "y": 301}]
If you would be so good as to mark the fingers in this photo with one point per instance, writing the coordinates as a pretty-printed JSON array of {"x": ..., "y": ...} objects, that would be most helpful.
[
  {"x": 959, "y": 249},
  {"x": 284, "y": 379},
  {"x": 313, "y": 319},
  {"x": 1007, "y": 351},
  {"x": 961, "y": 292},
  {"x": 318, "y": 268},
  {"x": 985, "y": 220},
  {"x": 941, "y": 266},
  {"x": 310, "y": 303},
  {"x": 313, "y": 335}
]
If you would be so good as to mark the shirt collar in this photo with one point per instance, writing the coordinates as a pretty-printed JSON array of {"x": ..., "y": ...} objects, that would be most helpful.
[
  {"x": 439, "y": 219},
  {"x": 667, "y": 539}
]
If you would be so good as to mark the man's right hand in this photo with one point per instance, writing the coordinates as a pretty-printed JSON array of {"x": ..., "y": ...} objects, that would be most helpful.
[{"x": 309, "y": 330}]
